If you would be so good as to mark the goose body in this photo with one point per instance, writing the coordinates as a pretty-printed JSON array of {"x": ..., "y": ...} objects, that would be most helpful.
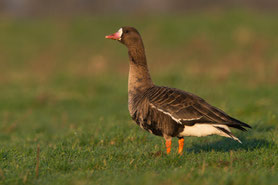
[{"x": 164, "y": 111}]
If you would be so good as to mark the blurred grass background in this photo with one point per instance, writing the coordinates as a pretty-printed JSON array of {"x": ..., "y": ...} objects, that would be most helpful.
[{"x": 64, "y": 87}]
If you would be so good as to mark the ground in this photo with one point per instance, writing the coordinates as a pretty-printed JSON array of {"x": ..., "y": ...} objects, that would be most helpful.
[{"x": 63, "y": 88}]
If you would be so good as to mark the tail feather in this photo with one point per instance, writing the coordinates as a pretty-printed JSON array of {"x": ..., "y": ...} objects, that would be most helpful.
[
  {"x": 240, "y": 123},
  {"x": 228, "y": 133},
  {"x": 236, "y": 126}
]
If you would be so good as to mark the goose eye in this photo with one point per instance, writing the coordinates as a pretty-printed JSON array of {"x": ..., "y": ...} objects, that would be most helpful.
[{"x": 126, "y": 31}]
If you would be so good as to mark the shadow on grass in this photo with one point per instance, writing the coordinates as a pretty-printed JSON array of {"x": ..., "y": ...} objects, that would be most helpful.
[{"x": 226, "y": 145}]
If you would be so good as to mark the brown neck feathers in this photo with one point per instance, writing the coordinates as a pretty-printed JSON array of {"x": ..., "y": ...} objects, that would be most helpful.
[
  {"x": 139, "y": 76},
  {"x": 136, "y": 53}
]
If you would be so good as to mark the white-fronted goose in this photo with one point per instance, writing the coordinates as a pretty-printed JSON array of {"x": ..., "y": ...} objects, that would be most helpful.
[{"x": 165, "y": 111}]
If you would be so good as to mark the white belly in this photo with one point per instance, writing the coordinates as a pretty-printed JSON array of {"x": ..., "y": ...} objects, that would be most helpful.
[{"x": 200, "y": 130}]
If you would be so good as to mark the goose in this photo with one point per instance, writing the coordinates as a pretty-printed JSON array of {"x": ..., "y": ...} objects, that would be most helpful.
[{"x": 164, "y": 111}]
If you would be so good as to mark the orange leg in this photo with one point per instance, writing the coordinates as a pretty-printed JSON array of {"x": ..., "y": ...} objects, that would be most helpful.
[
  {"x": 168, "y": 146},
  {"x": 181, "y": 143}
]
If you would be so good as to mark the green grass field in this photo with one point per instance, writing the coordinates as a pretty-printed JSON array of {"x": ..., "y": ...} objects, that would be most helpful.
[{"x": 64, "y": 87}]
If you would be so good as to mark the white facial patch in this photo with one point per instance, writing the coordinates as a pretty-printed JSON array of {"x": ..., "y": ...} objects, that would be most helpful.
[{"x": 119, "y": 33}]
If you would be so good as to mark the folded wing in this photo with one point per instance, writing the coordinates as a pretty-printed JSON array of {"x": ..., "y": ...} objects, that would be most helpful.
[{"x": 188, "y": 109}]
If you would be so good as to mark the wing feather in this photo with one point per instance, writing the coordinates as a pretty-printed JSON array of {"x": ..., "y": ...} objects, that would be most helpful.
[{"x": 187, "y": 109}]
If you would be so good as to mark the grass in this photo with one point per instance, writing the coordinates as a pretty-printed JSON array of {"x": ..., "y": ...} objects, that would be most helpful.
[{"x": 64, "y": 88}]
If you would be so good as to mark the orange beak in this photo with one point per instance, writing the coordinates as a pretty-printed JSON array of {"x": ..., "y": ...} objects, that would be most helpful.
[{"x": 115, "y": 36}]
